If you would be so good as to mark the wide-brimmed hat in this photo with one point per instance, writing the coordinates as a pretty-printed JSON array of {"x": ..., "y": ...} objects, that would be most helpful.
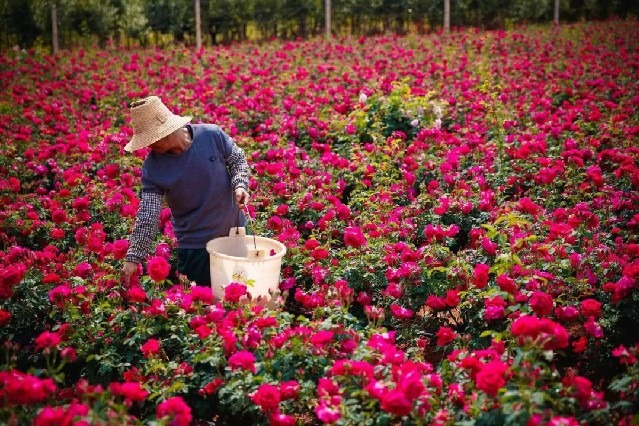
[{"x": 151, "y": 121}]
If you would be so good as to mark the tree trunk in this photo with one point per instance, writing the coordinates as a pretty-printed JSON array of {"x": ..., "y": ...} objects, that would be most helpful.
[
  {"x": 327, "y": 11},
  {"x": 447, "y": 15},
  {"x": 54, "y": 28},
  {"x": 556, "y": 13},
  {"x": 198, "y": 26}
]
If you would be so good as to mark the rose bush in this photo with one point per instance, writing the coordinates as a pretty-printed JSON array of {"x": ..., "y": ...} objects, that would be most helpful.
[{"x": 460, "y": 214}]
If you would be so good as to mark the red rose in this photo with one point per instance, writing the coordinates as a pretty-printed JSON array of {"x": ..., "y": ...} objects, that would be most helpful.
[
  {"x": 10, "y": 277},
  {"x": 202, "y": 294},
  {"x": 580, "y": 345},
  {"x": 495, "y": 308},
  {"x": 135, "y": 294},
  {"x": 211, "y": 387},
  {"x": 177, "y": 409},
  {"x": 57, "y": 233},
  {"x": 319, "y": 254},
  {"x": 445, "y": 335},
  {"x": 234, "y": 292},
  {"x": 47, "y": 340},
  {"x": 244, "y": 360},
  {"x": 267, "y": 397},
  {"x": 24, "y": 389},
  {"x": 279, "y": 419},
  {"x": 541, "y": 303},
  {"x": 583, "y": 388},
  {"x": 322, "y": 338},
  {"x": 452, "y": 298},
  {"x": 59, "y": 216},
  {"x": 525, "y": 325},
  {"x": 590, "y": 307},
  {"x": 436, "y": 303},
  {"x": 400, "y": 312},
  {"x": 158, "y": 268},
  {"x": 395, "y": 402},
  {"x": 491, "y": 377},
  {"x": 353, "y": 237},
  {"x": 151, "y": 347},
  {"x": 69, "y": 354},
  {"x": 52, "y": 416},
  {"x": 129, "y": 390},
  {"x": 289, "y": 389},
  {"x": 120, "y": 248},
  {"x": 5, "y": 317},
  {"x": 506, "y": 283},
  {"x": 480, "y": 275}
]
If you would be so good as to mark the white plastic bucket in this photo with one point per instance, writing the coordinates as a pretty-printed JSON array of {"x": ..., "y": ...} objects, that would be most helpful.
[{"x": 247, "y": 259}]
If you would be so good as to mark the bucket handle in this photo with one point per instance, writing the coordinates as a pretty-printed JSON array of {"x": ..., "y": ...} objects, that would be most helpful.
[{"x": 249, "y": 219}]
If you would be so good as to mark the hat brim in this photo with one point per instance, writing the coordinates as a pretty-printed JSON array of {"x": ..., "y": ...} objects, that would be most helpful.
[{"x": 146, "y": 139}]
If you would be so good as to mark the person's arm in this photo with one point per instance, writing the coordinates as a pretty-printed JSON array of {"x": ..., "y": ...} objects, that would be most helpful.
[
  {"x": 144, "y": 232},
  {"x": 238, "y": 168},
  {"x": 239, "y": 171}
]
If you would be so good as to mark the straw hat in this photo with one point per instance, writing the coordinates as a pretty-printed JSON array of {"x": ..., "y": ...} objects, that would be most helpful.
[{"x": 151, "y": 121}]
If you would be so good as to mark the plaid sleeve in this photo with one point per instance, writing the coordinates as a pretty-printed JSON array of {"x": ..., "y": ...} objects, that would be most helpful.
[
  {"x": 238, "y": 168},
  {"x": 146, "y": 227}
]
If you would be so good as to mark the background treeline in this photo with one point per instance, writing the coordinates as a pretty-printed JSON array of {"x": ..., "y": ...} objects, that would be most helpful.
[{"x": 26, "y": 23}]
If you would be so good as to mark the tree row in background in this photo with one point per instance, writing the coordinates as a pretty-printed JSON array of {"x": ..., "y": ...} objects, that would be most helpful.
[{"x": 26, "y": 23}]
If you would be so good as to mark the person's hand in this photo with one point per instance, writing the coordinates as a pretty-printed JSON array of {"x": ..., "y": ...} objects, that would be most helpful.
[
  {"x": 241, "y": 197},
  {"x": 128, "y": 270}
]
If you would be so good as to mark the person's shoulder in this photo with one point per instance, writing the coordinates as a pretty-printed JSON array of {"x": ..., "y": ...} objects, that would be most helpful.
[{"x": 206, "y": 128}]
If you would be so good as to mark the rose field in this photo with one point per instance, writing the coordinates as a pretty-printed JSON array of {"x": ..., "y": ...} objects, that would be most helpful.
[{"x": 460, "y": 212}]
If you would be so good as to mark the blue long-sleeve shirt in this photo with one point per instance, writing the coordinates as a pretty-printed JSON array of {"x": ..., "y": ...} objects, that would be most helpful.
[{"x": 198, "y": 186}]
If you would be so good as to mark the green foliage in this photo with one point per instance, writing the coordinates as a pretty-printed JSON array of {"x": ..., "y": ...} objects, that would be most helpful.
[{"x": 28, "y": 21}]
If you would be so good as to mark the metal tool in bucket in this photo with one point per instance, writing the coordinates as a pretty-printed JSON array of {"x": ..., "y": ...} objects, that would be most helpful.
[{"x": 247, "y": 259}]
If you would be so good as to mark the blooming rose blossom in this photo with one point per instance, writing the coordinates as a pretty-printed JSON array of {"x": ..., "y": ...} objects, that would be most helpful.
[
  {"x": 132, "y": 391},
  {"x": 445, "y": 335},
  {"x": 491, "y": 377},
  {"x": 176, "y": 409},
  {"x": 150, "y": 348},
  {"x": 244, "y": 360},
  {"x": 158, "y": 268},
  {"x": 5, "y": 317},
  {"x": 279, "y": 419},
  {"x": 354, "y": 237},
  {"x": 267, "y": 397},
  {"x": 401, "y": 312},
  {"x": 541, "y": 303},
  {"x": 69, "y": 354},
  {"x": 327, "y": 414},
  {"x": 624, "y": 355},
  {"x": 591, "y": 307},
  {"x": 322, "y": 338},
  {"x": 395, "y": 402},
  {"x": 234, "y": 292},
  {"x": 211, "y": 387},
  {"x": 289, "y": 389},
  {"x": 480, "y": 275},
  {"x": 436, "y": 303},
  {"x": 48, "y": 340},
  {"x": 17, "y": 388},
  {"x": 54, "y": 416}
]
